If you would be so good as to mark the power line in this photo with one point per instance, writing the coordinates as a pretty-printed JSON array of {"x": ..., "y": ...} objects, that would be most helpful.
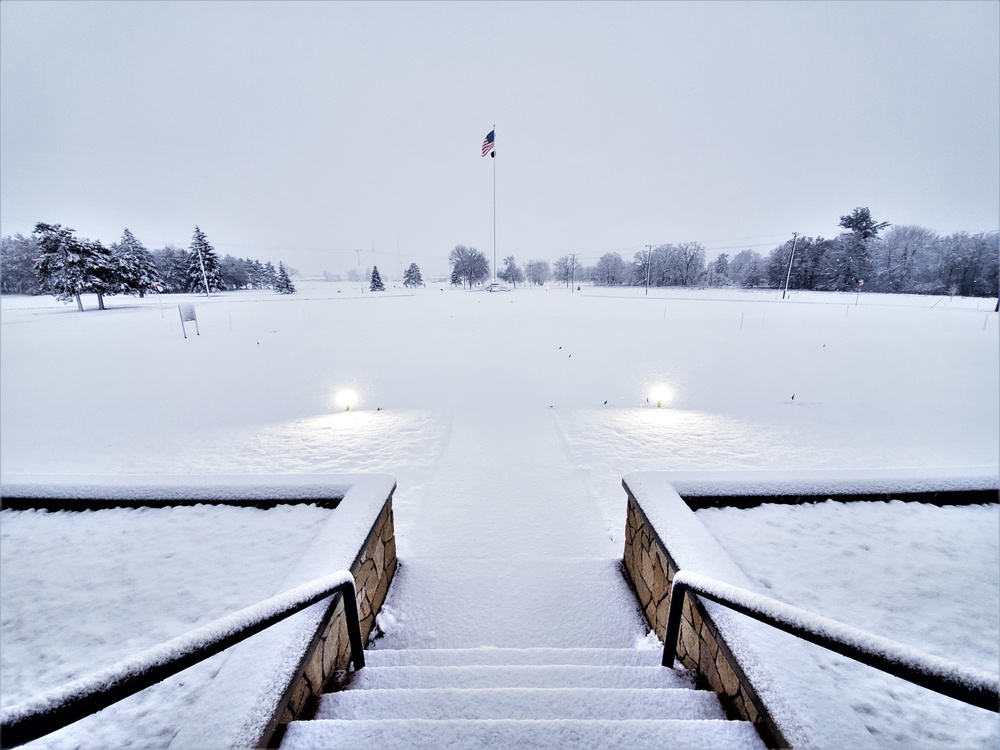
[{"x": 290, "y": 247}]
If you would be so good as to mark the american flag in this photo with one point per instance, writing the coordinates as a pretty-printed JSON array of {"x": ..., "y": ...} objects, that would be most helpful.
[{"x": 488, "y": 143}]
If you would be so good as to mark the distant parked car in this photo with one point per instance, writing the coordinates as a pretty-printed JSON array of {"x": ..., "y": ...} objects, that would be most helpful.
[{"x": 496, "y": 286}]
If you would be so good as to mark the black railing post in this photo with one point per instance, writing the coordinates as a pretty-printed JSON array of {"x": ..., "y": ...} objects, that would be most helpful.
[
  {"x": 354, "y": 627},
  {"x": 673, "y": 623}
]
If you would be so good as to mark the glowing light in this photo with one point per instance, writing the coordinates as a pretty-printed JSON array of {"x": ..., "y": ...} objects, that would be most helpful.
[
  {"x": 346, "y": 399},
  {"x": 659, "y": 395}
]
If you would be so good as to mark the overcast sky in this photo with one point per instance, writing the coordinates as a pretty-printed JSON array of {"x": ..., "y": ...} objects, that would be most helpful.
[{"x": 305, "y": 131}]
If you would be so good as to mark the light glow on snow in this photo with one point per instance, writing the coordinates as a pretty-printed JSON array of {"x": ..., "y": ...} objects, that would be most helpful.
[
  {"x": 346, "y": 399},
  {"x": 659, "y": 395}
]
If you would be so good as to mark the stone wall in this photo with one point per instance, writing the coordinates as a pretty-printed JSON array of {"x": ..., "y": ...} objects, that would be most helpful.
[
  {"x": 700, "y": 646},
  {"x": 330, "y": 651}
]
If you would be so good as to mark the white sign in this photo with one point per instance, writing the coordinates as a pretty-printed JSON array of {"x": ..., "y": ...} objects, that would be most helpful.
[{"x": 187, "y": 314}]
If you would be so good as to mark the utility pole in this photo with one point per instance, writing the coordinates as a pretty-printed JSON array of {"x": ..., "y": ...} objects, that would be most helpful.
[
  {"x": 795, "y": 238},
  {"x": 649, "y": 262},
  {"x": 493, "y": 156},
  {"x": 572, "y": 260}
]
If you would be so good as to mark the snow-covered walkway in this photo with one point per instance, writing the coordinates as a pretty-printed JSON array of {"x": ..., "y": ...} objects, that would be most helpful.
[{"x": 507, "y": 550}]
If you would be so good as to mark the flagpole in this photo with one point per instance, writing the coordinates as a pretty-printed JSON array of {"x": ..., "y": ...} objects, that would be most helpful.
[{"x": 494, "y": 203}]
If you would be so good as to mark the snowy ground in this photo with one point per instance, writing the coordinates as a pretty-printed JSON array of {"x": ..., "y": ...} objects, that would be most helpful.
[
  {"x": 82, "y": 591},
  {"x": 515, "y": 412},
  {"x": 883, "y": 566}
]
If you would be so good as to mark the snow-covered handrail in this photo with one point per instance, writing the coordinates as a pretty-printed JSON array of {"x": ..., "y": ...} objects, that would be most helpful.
[
  {"x": 82, "y": 697},
  {"x": 966, "y": 684}
]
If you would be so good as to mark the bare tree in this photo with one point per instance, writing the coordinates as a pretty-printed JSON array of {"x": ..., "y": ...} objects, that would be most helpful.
[
  {"x": 747, "y": 269},
  {"x": 567, "y": 268},
  {"x": 538, "y": 272},
  {"x": 511, "y": 273},
  {"x": 468, "y": 265},
  {"x": 690, "y": 262},
  {"x": 904, "y": 259},
  {"x": 610, "y": 270}
]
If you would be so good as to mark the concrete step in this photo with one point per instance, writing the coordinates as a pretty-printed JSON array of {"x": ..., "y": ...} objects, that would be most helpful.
[
  {"x": 489, "y": 655},
  {"x": 417, "y": 734},
  {"x": 524, "y": 676},
  {"x": 521, "y": 703}
]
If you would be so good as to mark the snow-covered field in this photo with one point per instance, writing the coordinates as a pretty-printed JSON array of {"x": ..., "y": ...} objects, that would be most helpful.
[
  {"x": 920, "y": 574},
  {"x": 514, "y": 412},
  {"x": 82, "y": 591}
]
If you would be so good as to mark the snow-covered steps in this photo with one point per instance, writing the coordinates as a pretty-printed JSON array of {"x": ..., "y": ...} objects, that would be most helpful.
[
  {"x": 423, "y": 734},
  {"x": 526, "y": 698},
  {"x": 501, "y": 676},
  {"x": 491, "y": 655},
  {"x": 521, "y": 704}
]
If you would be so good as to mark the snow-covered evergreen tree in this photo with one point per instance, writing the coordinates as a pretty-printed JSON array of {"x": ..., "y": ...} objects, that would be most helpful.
[
  {"x": 172, "y": 266},
  {"x": 283, "y": 284},
  {"x": 136, "y": 270},
  {"x": 412, "y": 277},
  {"x": 848, "y": 262},
  {"x": 18, "y": 256},
  {"x": 718, "y": 271},
  {"x": 235, "y": 272},
  {"x": 104, "y": 268},
  {"x": 68, "y": 267},
  {"x": 376, "y": 285},
  {"x": 270, "y": 276},
  {"x": 255, "y": 274},
  {"x": 202, "y": 252}
]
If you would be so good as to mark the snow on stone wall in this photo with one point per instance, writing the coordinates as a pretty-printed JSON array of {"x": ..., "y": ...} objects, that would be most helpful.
[
  {"x": 331, "y": 653},
  {"x": 293, "y": 663},
  {"x": 277, "y": 671},
  {"x": 762, "y": 675}
]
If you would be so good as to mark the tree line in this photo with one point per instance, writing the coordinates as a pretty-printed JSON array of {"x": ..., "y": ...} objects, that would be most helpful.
[
  {"x": 469, "y": 266},
  {"x": 872, "y": 254},
  {"x": 882, "y": 258},
  {"x": 53, "y": 260}
]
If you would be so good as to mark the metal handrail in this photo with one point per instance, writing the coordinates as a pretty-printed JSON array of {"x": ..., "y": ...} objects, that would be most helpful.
[
  {"x": 82, "y": 697},
  {"x": 973, "y": 686}
]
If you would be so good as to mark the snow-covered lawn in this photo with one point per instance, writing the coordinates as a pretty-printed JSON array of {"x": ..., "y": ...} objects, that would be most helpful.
[
  {"x": 76, "y": 557},
  {"x": 84, "y": 590},
  {"x": 517, "y": 412},
  {"x": 924, "y": 575}
]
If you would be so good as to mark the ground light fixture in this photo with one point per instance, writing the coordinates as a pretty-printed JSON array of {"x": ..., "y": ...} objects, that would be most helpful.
[
  {"x": 346, "y": 399},
  {"x": 659, "y": 395}
]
